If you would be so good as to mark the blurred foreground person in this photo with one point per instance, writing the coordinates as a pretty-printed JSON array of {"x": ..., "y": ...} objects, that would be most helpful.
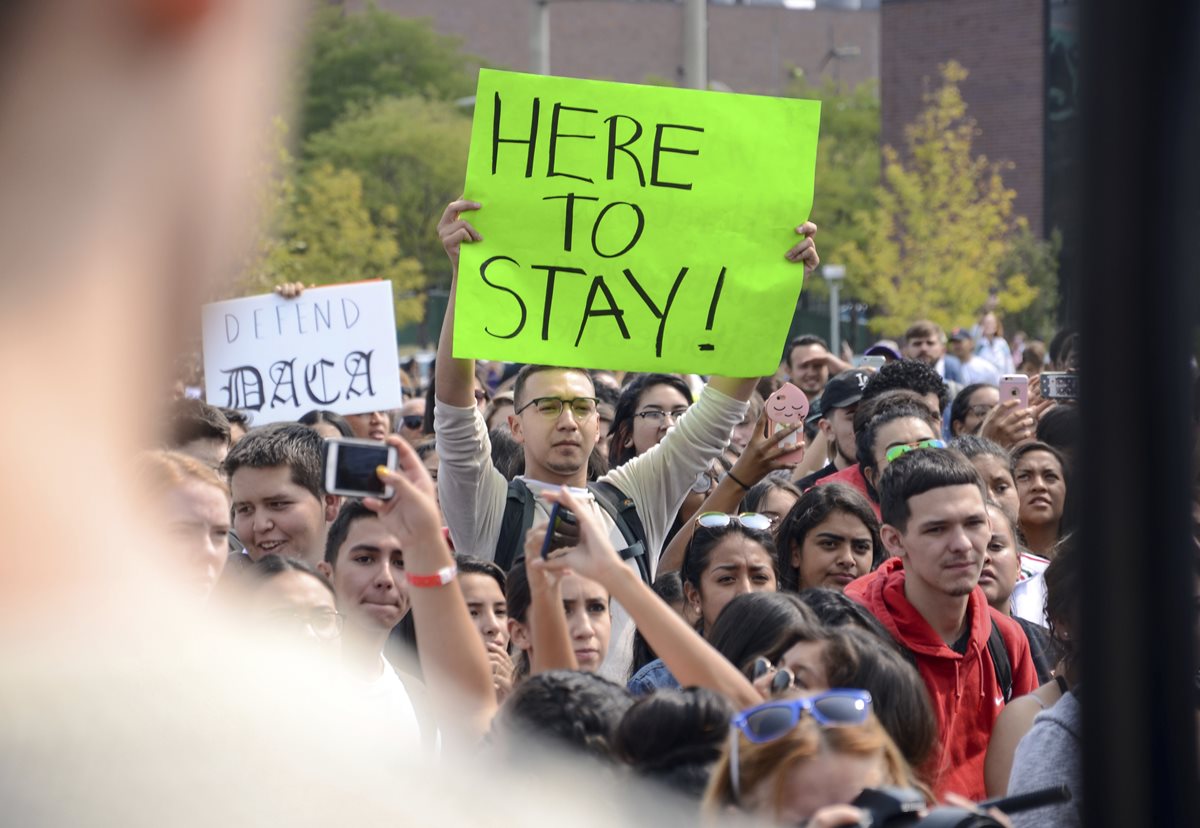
[{"x": 128, "y": 132}]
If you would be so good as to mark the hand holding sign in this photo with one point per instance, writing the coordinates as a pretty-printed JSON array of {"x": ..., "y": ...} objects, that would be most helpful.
[{"x": 625, "y": 225}]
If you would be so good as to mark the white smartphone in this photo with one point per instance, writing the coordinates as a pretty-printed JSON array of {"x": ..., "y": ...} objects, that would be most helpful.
[
  {"x": 875, "y": 362},
  {"x": 350, "y": 467},
  {"x": 1015, "y": 387}
]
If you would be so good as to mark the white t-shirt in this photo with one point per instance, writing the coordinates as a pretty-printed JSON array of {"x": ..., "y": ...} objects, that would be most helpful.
[{"x": 1028, "y": 599}]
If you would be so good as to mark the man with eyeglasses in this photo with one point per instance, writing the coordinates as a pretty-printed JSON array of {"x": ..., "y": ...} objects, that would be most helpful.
[
  {"x": 972, "y": 659},
  {"x": 556, "y": 421}
]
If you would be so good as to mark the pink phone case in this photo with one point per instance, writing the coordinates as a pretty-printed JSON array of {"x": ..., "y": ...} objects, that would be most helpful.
[
  {"x": 785, "y": 407},
  {"x": 1015, "y": 387}
]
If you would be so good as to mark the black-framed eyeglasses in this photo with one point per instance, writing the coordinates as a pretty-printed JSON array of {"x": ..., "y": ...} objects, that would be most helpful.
[
  {"x": 657, "y": 415},
  {"x": 552, "y": 407},
  {"x": 413, "y": 421}
]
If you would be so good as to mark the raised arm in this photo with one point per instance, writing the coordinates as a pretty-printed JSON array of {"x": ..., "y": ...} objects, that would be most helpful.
[
  {"x": 552, "y": 648},
  {"x": 804, "y": 252},
  {"x": 760, "y": 458},
  {"x": 690, "y": 658},
  {"x": 455, "y": 377},
  {"x": 456, "y": 668}
]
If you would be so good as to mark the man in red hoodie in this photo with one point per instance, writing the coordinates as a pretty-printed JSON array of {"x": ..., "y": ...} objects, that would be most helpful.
[{"x": 928, "y": 596}]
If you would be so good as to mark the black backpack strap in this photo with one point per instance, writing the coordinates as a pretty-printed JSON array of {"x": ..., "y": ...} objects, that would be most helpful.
[
  {"x": 623, "y": 512},
  {"x": 1000, "y": 660},
  {"x": 518, "y": 517}
]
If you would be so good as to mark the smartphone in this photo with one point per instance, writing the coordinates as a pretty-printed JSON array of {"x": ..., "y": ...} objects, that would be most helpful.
[
  {"x": 875, "y": 362},
  {"x": 350, "y": 467},
  {"x": 562, "y": 530},
  {"x": 1060, "y": 385},
  {"x": 1015, "y": 387}
]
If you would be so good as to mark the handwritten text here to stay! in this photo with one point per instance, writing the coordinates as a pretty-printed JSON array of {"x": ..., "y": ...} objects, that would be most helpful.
[
  {"x": 332, "y": 348},
  {"x": 633, "y": 227}
]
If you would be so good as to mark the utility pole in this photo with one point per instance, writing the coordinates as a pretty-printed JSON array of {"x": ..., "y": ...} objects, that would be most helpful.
[
  {"x": 539, "y": 37},
  {"x": 695, "y": 44}
]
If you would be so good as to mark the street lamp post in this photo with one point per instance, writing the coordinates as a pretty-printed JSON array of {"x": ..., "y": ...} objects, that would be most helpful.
[{"x": 833, "y": 275}]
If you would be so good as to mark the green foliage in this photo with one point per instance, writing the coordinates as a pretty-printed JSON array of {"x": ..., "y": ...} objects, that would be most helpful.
[
  {"x": 941, "y": 233},
  {"x": 1038, "y": 260},
  {"x": 356, "y": 59},
  {"x": 411, "y": 155},
  {"x": 322, "y": 233},
  {"x": 847, "y": 164}
]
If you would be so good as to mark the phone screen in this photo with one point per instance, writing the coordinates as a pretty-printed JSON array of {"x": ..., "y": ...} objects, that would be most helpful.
[{"x": 355, "y": 469}]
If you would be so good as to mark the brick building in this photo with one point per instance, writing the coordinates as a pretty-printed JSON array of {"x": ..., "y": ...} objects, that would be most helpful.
[
  {"x": 751, "y": 48},
  {"x": 1002, "y": 43}
]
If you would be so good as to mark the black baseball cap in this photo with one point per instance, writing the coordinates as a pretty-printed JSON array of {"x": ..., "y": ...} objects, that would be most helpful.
[{"x": 844, "y": 389}]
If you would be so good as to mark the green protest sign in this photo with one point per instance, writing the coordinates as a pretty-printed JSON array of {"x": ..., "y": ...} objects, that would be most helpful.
[{"x": 633, "y": 227}]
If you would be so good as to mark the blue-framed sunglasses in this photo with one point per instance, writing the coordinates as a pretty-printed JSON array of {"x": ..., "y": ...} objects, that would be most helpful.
[{"x": 774, "y": 719}]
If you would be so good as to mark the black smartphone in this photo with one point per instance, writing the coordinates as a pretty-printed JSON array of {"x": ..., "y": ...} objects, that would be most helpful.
[
  {"x": 561, "y": 531},
  {"x": 350, "y": 467}
]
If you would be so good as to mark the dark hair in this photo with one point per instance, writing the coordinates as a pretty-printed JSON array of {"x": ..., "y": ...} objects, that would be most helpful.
[
  {"x": 268, "y": 566},
  {"x": 918, "y": 472},
  {"x": 293, "y": 445},
  {"x": 237, "y": 418},
  {"x": 425, "y": 446},
  {"x": 853, "y": 658},
  {"x": 508, "y": 456},
  {"x": 971, "y": 446},
  {"x": 576, "y": 710},
  {"x": 669, "y": 587},
  {"x": 528, "y": 371},
  {"x": 868, "y": 408},
  {"x": 470, "y": 565},
  {"x": 888, "y": 411},
  {"x": 1059, "y": 427},
  {"x": 1064, "y": 603},
  {"x": 910, "y": 374},
  {"x": 519, "y": 596},
  {"x": 752, "y": 623},
  {"x": 621, "y": 431},
  {"x": 1035, "y": 445},
  {"x": 352, "y": 510},
  {"x": 673, "y": 737},
  {"x": 196, "y": 420},
  {"x": 1055, "y": 348},
  {"x": 923, "y": 328},
  {"x": 317, "y": 415},
  {"x": 799, "y": 342},
  {"x": 698, "y": 553},
  {"x": 757, "y": 495},
  {"x": 961, "y": 407},
  {"x": 606, "y": 394},
  {"x": 817, "y": 504},
  {"x": 836, "y": 609}
]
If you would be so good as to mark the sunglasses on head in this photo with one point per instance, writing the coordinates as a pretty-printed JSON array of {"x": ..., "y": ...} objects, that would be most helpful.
[
  {"x": 749, "y": 520},
  {"x": 901, "y": 450},
  {"x": 770, "y": 721}
]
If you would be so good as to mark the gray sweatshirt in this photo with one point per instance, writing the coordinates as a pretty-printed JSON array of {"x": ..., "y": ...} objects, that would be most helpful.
[{"x": 1049, "y": 754}]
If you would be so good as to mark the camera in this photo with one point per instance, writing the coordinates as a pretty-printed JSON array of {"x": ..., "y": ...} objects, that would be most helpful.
[{"x": 899, "y": 807}]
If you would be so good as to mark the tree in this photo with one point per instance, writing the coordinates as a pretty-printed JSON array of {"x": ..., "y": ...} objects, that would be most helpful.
[
  {"x": 1038, "y": 259},
  {"x": 939, "y": 238},
  {"x": 848, "y": 166},
  {"x": 355, "y": 59},
  {"x": 411, "y": 155},
  {"x": 322, "y": 233}
]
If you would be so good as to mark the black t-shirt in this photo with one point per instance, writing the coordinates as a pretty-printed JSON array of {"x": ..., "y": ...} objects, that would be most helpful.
[
  {"x": 960, "y": 646},
  {"x": 806, "y": 483}
]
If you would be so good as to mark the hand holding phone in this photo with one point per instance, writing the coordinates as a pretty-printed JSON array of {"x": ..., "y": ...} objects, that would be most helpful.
[
  {"x": 350, "y": 467},
  {"x": 562, "y": 530},
  {"x": 1015, "y": 387}
]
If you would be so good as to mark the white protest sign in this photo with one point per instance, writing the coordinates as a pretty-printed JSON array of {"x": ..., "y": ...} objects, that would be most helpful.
[{"x": 332, "y": 348}]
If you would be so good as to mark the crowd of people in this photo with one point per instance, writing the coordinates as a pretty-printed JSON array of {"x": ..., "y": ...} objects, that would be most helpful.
[
  {"x": 879, "y": 604},
  {"x": 759, "y": 618}
]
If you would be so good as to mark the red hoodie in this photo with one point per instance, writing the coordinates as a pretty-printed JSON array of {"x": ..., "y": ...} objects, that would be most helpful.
[{"x": 965, "y": 692}]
